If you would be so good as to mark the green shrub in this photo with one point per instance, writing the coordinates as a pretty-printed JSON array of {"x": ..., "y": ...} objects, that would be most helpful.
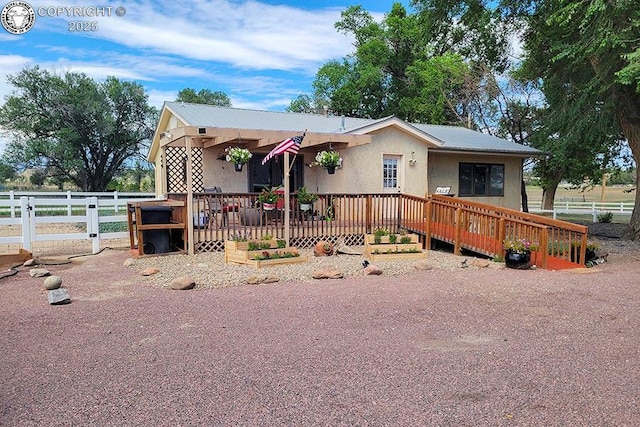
[
  {"x": 605, "y": 217},
  {"x": 393, "y": 238},
  {"x": 405, "y": 240}
]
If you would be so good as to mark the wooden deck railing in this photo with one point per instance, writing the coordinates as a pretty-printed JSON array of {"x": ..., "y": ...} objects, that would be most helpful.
[{"x": 465, "y": 224}]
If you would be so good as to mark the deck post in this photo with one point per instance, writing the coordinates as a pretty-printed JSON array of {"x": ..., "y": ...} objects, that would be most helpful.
[
  {"x": 368, "y": 208},
  {"x": 458, "y": 229},
  {"x": 544, "y": 247},
  {"x": 427, "y": 224}
]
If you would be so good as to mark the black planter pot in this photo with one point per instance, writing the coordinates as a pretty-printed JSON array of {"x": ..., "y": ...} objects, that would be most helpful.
[
  {"x": 331, "y": 170},
  {"x": 589, "y": 255},
  {"x": 517, "y": 260},
  {"x": 238, "y": 167}
]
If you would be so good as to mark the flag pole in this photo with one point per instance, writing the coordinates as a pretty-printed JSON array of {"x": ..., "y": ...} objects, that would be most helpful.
[{"x": 286, "y": 197}]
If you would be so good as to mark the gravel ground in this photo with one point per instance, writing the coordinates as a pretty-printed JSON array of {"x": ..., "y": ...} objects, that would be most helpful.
[
  {"x": 447, "y": 346},
  {"x": 210, "y": 271}
]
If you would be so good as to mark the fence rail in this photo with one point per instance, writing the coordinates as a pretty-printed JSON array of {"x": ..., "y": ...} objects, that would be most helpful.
[
  {"x": 85, "y": 213},
  {"x": 584, "y": 208},
  {"x": 10, "y": 200}
]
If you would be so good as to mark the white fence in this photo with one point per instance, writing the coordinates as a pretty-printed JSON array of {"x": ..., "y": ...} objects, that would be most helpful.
[
  {"x": 584, "y": 208},
  {"x": 86, "y": 214}
]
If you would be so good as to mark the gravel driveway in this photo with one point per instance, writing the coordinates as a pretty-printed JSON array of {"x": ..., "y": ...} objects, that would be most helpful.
[{"x": 462, "y": 347}]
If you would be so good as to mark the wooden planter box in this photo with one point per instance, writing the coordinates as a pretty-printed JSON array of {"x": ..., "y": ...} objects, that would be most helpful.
[
  {"x": 395, "y": 249},
  {"x": 239, "y": 253}
]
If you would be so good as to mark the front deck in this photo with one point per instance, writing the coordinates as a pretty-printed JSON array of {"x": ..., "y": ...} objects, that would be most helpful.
[{"x": 466, "y": 225}]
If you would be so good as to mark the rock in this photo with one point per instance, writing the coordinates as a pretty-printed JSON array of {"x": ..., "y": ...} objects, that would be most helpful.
[
  {"x": 58, "y": 296},
  {"x": 257, "y": 279},
  {"x": 344, "y": 249},
  {"x": 39, "y": 272},
  {"x": 149, "y": 271},
  {"x": 327, "y": 273},
  {"x": 480, "y": 263},
  {"x": 128, "y": 262},
  {"x": 323, "y": 248},
  {"x": 372, "y": 270},
  {"x": 422, "y": 265},
  {"x": 29, "y": 263},
  {"x": 182, "y": 283},
  {"x": 52, "y": 282}
]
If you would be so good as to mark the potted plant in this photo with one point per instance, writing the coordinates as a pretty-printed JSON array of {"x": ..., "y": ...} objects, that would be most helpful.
[
  {"x": 238, "y": 156},
  {"x": 329, "y": 159},
  {"x": 518, "y": 252},
  {"x": 268, "y": 198},
  {"x": 305, "y": 198}
]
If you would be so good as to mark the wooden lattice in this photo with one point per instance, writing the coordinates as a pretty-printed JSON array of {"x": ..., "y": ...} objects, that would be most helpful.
[
  {"x": 176, "y": 161},
  {"x": 299, "y": 242},
  {"x": 209, "y": 246}
]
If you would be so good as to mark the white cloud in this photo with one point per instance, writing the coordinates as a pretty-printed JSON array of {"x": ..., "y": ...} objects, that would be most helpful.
[{"x": 247, "y": 34}]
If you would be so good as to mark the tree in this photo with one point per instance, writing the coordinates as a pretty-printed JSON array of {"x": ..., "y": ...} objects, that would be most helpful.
[
  {"x": 305, "y": 104},
  {"x": 391, "y": 72},
  {"x": 7, "y": 171},
  {"x": 204, "y": 96},
  {"x": 590, "y": 50},
  {"x": 587, "y": 51},
  {"x": 78, "y": 130}
]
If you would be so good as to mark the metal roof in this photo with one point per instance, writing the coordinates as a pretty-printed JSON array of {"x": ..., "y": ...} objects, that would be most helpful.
[
  {"x": 238, "y": 118},
  {"x": 460, "y": 138},
  {"x": 452, "y": 137}
]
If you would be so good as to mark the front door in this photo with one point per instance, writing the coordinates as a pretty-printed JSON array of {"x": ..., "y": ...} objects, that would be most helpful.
[{"x": 271, "y": 174}]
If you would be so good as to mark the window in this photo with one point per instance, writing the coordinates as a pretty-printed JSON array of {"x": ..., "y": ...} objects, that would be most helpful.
[
  {"x": 477, "y": 179},
  {"x": 389, "y": 172}
]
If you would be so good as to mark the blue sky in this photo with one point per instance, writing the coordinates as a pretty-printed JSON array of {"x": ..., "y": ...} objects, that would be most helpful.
[{"x": 261, "y": 53}]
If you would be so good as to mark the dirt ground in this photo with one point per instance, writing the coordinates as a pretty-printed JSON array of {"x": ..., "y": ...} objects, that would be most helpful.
[{"x": 465, "y": 348}]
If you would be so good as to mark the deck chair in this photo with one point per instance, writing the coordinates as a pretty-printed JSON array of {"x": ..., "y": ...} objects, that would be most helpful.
[{"x": 218, "y": 206}]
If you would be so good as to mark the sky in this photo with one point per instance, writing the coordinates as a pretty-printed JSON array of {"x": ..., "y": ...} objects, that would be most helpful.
[{"x": 261, "y": 53}]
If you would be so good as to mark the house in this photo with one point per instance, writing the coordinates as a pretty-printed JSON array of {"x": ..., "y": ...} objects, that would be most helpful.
[{"x": 387, "y": 155}]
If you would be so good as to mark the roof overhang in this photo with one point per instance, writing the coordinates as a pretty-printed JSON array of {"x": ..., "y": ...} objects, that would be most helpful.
[
  {"x": 209, "y": 137},
  {"x": 488, "y": 152}
]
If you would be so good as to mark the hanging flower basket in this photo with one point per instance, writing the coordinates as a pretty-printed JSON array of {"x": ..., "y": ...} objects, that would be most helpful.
[
  {"x": 238, "y": 156},
  {"x": 329, "y": 159}
]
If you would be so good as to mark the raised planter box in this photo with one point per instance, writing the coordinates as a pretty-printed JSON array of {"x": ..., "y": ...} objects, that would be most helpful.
[
  {"x": 239, "y": 253},
  {"x": 386, "y": 250}
]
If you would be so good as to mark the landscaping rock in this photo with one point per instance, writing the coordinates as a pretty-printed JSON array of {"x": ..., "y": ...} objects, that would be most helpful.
[
  {"x": 128, "y": 262},
  {"x": 182, "y": 283},
  {"x": 258, "y": 279},
  {"x": 344, "y": 249},
  {"x": 372, "y": 270},
  {"x": 149, "y": 271},
  {"x": 29, "y": 263},
  {"x": 39, "y": 272},
  {"x": 327, "y": 273},
  {"x": 422, "y": 265},
  {"x": 52, "y": 282},
  {"x": 58, "y": 296},
  {"x": 480, "y": 263}
]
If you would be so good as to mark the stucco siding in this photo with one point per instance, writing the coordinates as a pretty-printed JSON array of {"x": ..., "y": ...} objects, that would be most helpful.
[{"x": 443, "y": 171}]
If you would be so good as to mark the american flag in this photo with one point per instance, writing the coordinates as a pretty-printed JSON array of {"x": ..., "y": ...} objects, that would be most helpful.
[{"x": 290, "y": 145}]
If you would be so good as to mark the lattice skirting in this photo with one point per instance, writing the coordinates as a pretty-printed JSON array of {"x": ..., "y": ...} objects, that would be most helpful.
[{"x": 299, "y": 242}]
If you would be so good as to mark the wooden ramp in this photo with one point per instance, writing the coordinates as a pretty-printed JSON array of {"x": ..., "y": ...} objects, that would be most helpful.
[{"x": 482, "y": 228}]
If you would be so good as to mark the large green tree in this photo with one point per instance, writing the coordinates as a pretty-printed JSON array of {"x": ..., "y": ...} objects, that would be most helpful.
[
  {"x": 204, "y": 96},
  {"x": 586, "y": 53},
  {"x": 390, "y": 72},
  {"x": 78, "y": 129}
]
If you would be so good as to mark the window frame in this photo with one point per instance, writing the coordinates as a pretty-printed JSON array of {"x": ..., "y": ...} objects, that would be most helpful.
[{"x": 491, "y": 169}]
